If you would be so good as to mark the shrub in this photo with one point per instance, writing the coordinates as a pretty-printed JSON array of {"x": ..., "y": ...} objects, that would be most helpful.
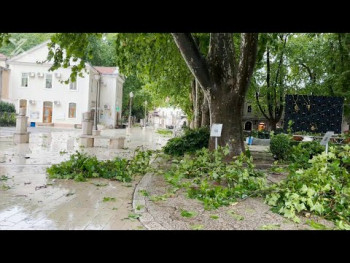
[
  {"x": 7, "y": 119},
  {"x": 7, "y": 107},
  {"x": 191, "y": 141},
  {"x": 280, "y": 146}
]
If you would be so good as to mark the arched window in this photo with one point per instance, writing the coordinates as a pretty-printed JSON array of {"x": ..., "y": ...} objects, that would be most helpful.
[
  {"x": 248, "y": 126},
  {"x": 72, "y": 110}
]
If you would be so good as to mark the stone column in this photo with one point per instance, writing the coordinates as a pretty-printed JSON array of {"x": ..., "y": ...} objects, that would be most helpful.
[
  {"x": 21, "y": 135},
  {"x": 86, "y": 138}
]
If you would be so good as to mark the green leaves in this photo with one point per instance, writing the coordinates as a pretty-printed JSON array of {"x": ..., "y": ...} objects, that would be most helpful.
[
  {"x": 109, "y": 199},
  {"x": 188, "y": 214},
  {"x": 80, "y": 166},
  {"x": 316, "y": 225},
  {"x": 322, "y": 188},
  {"x": 235, "y": 215},
  {"x": 207, "y": 177},
  {"x": 196, "y": 227},
  {"x": 133, "y": 216},
  {"x": 270, "y": 227}
]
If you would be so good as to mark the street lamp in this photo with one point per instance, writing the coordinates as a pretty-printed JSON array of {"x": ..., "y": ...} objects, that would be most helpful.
[
  {"x": 97, "y": 78},
  {"x": 131, "y": 96},
  {"x": 145, "y": 113}
]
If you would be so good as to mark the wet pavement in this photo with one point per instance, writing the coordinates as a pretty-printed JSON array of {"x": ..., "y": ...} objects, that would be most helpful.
[{"x": 29, "y": 200}]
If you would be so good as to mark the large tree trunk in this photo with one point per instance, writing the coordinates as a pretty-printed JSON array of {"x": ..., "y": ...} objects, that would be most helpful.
[
  {"x": 272, "y": 124},
  {"x": 227, "y": 110}
]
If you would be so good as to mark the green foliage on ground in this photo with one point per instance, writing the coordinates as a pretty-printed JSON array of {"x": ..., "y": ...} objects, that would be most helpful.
[
  {"x": 300, "y": 154},
  {"x": 191, "y": 141},
  {"x": 280, "y": 146},
  {"x": 207, "y": 177},
  {"x": 81, "y": 166},
  {"x": 323, "y": 189}
]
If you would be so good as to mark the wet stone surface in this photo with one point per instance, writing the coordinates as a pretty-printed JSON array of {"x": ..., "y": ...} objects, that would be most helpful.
[{"x": 29, "y": 200}]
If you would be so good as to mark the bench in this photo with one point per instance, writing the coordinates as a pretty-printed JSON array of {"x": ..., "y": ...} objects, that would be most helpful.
[{"x": 114, "y": 142}]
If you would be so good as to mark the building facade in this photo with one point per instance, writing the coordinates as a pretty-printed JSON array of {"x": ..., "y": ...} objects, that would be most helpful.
[
  {"x": 253, "y": 121},
  {"x": 49, "y": 101}
]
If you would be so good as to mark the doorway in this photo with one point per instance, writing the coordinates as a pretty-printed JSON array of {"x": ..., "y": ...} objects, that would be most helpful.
[
  {"x": 248, "y": 126},
  {"x": 47, "y": 112}
]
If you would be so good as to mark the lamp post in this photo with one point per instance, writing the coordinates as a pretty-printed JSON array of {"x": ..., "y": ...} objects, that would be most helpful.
[
  {"x": 97, "y": 78},
  {"x": 131, "y": 96},
  {"x": 145, "y": 114}
]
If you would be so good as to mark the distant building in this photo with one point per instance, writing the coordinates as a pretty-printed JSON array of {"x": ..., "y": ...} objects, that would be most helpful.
[
  {"x": 254, "y": 121},
  {"x": 167, "y": 118},
  {"x": 49, "y": 101},
  {"x": 4, "y": 78}
]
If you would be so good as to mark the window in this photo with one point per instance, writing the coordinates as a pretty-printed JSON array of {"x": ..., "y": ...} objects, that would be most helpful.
[
  {"x": 249, "y": 108},
  {"x": 73, "y": 85},
  {"x": 48, "y": 82},
  {"x": 72, "y": 110},
  {"x": 24, "y": 82}
]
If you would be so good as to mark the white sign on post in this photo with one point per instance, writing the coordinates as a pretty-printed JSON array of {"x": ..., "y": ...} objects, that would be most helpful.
[
  {"x": 326, "y": 139},
  {"x": 215, "y": 131}
]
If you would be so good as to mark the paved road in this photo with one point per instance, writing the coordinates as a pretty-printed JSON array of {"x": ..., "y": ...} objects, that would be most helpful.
[{"x": 31, "y": 201}]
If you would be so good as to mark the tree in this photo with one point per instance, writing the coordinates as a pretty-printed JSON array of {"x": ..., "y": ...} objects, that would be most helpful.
[
  {"x": 272, "y": 90},
  {"x": 223, "y": 79},
  {"x": 15, "y": 43},
  {"x": 133, "y": 84}
]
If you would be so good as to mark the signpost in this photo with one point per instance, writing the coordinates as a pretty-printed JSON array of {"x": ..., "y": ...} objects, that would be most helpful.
[
  {"x": 326, "y": 139},
  {"x": 215, "y": 131}
]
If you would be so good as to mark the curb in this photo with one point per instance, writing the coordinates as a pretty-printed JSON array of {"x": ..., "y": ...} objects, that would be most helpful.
[{"x": 146, "y": 219}]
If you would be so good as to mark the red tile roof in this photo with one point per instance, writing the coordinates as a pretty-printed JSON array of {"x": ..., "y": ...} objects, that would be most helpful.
[
  {"x": 2, "y": 56},
  {"x": 106, "y": 70}
]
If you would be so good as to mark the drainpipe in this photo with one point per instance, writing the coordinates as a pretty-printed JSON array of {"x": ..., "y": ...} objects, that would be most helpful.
[
  {"x": 97, "y": 78},
  {"x": 0, "y": 82},
  {"x": 99, "y": 99}
]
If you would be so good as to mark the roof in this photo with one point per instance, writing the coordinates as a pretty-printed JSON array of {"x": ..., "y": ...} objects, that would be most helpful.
[
  {"x": 2, "y": 56},
  {"x": 107, "y": 70}
]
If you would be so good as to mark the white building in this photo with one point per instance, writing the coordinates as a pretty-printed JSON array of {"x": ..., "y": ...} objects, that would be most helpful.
[
  {"x": 48, "y": 101},
  {"x": 167, "y": 117}
]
